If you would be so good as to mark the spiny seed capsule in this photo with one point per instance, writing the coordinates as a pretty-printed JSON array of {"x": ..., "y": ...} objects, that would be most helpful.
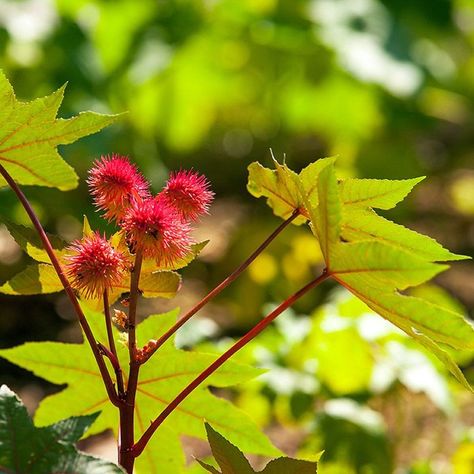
[
  {"x": 93, "y": 265},
  {"x": 114, "y": 183},
  {"x": 154, "y": 228},
  {"x": 189, "y": 193}
]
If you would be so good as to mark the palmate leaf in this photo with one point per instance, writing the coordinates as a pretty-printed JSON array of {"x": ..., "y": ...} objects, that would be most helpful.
[
  {"x": 161, "y": 379},
  {"x": 232, "y": 461},
  {"x": 30, "y": 134},
  {"x": 26, "y": 448},
  {"x": 376, "y": 259}
]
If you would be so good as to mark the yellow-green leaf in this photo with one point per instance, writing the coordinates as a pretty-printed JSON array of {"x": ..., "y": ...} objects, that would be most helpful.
[
  {"x": 280, "y": 186},
  {"x": 30, "y": 134},
  {"x": 378, "y": 193},
  {"x": 365, "y": 224},
  {"x": 33, "y": 280},
  {"x": 326, "y": 217},
  {"x": 309, "y": 179}
]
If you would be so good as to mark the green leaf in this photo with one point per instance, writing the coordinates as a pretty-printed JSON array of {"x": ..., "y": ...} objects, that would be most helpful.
[
  {"x": 375, "y": 258},
  {"x": 365, "y": 224},
  {"x": 378, "y": 193},
  {"x": 232, "y": 461},
  {"x": 30, "y": 133},
  {"x": 309, "y": 179},
  {"x": 154, "y": 284},
  {"x": 161, "y": 379},
  {"x": 33, "y": 280},
  {"x": 25, "y": 448},
  {"x": 380, "y": 265},
  {"x": 326, "y": 217},
  {"x": 427, "y": 323},
  {"x": 280, "y": 186},
  {"x": 28, "y": 239}
]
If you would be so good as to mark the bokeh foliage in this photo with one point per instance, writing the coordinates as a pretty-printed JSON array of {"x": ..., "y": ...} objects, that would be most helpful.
[{"x": 385, "y": 84}]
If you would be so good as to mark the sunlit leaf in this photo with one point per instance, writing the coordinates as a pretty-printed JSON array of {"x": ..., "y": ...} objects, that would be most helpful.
[
  {"x": 30, "y": 133},
  {"x": 33, "y": 280},
  {"x": 377, "y": 193},
  {"x": 279, "y": 186},
  {"x": 365, "y": 224},
  {"x": 376, "y": 259}
]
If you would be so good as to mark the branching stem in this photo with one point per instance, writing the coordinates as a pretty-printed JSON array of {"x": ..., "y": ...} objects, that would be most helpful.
[
  {"x": 257, "y": 329},
  {"x": 224, "y": 284}
]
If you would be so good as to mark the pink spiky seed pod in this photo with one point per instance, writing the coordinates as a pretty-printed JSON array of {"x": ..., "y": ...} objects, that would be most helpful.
[
  {"x": 94, "y": 266},
  {"x": 157, "y": 230},
  {"x": 189, "y": 193},
  {"x": 115, "y": 183}
]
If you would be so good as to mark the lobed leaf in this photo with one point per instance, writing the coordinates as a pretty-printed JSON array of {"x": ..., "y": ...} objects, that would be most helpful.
[
  {"x": 375, "y": 258},
  {"x": 30, "y": 134}
]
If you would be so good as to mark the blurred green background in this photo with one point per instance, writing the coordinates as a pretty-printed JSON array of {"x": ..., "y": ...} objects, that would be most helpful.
[{"x": 387, "y": 85}]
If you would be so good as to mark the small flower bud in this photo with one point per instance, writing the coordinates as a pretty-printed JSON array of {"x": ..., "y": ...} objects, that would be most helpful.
[
  {"x": 143, "y": 353},
  {"x": 120, "y": 319}
]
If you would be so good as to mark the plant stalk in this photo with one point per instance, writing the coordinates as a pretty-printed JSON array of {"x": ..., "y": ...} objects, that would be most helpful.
[
  {"x": 257, "y": 329},
  {"x": 224, "y": 284},
  {"x": 127, "y": 411},
  {"x": 109, "y": 386},
  {"x": 113, "y": 350}
]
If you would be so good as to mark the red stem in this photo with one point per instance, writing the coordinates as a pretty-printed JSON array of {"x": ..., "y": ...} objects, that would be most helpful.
[
  {"x": 225, "y": 283},
  {"x": 109, "y": 386},
  {"x": 113, "y": 350},
  {"x": 127, "y": 412},
  {"x": 257, "y": 329}
]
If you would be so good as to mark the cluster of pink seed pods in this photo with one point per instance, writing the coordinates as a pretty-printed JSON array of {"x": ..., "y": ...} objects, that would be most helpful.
[{"x": 159, "y": 227}]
